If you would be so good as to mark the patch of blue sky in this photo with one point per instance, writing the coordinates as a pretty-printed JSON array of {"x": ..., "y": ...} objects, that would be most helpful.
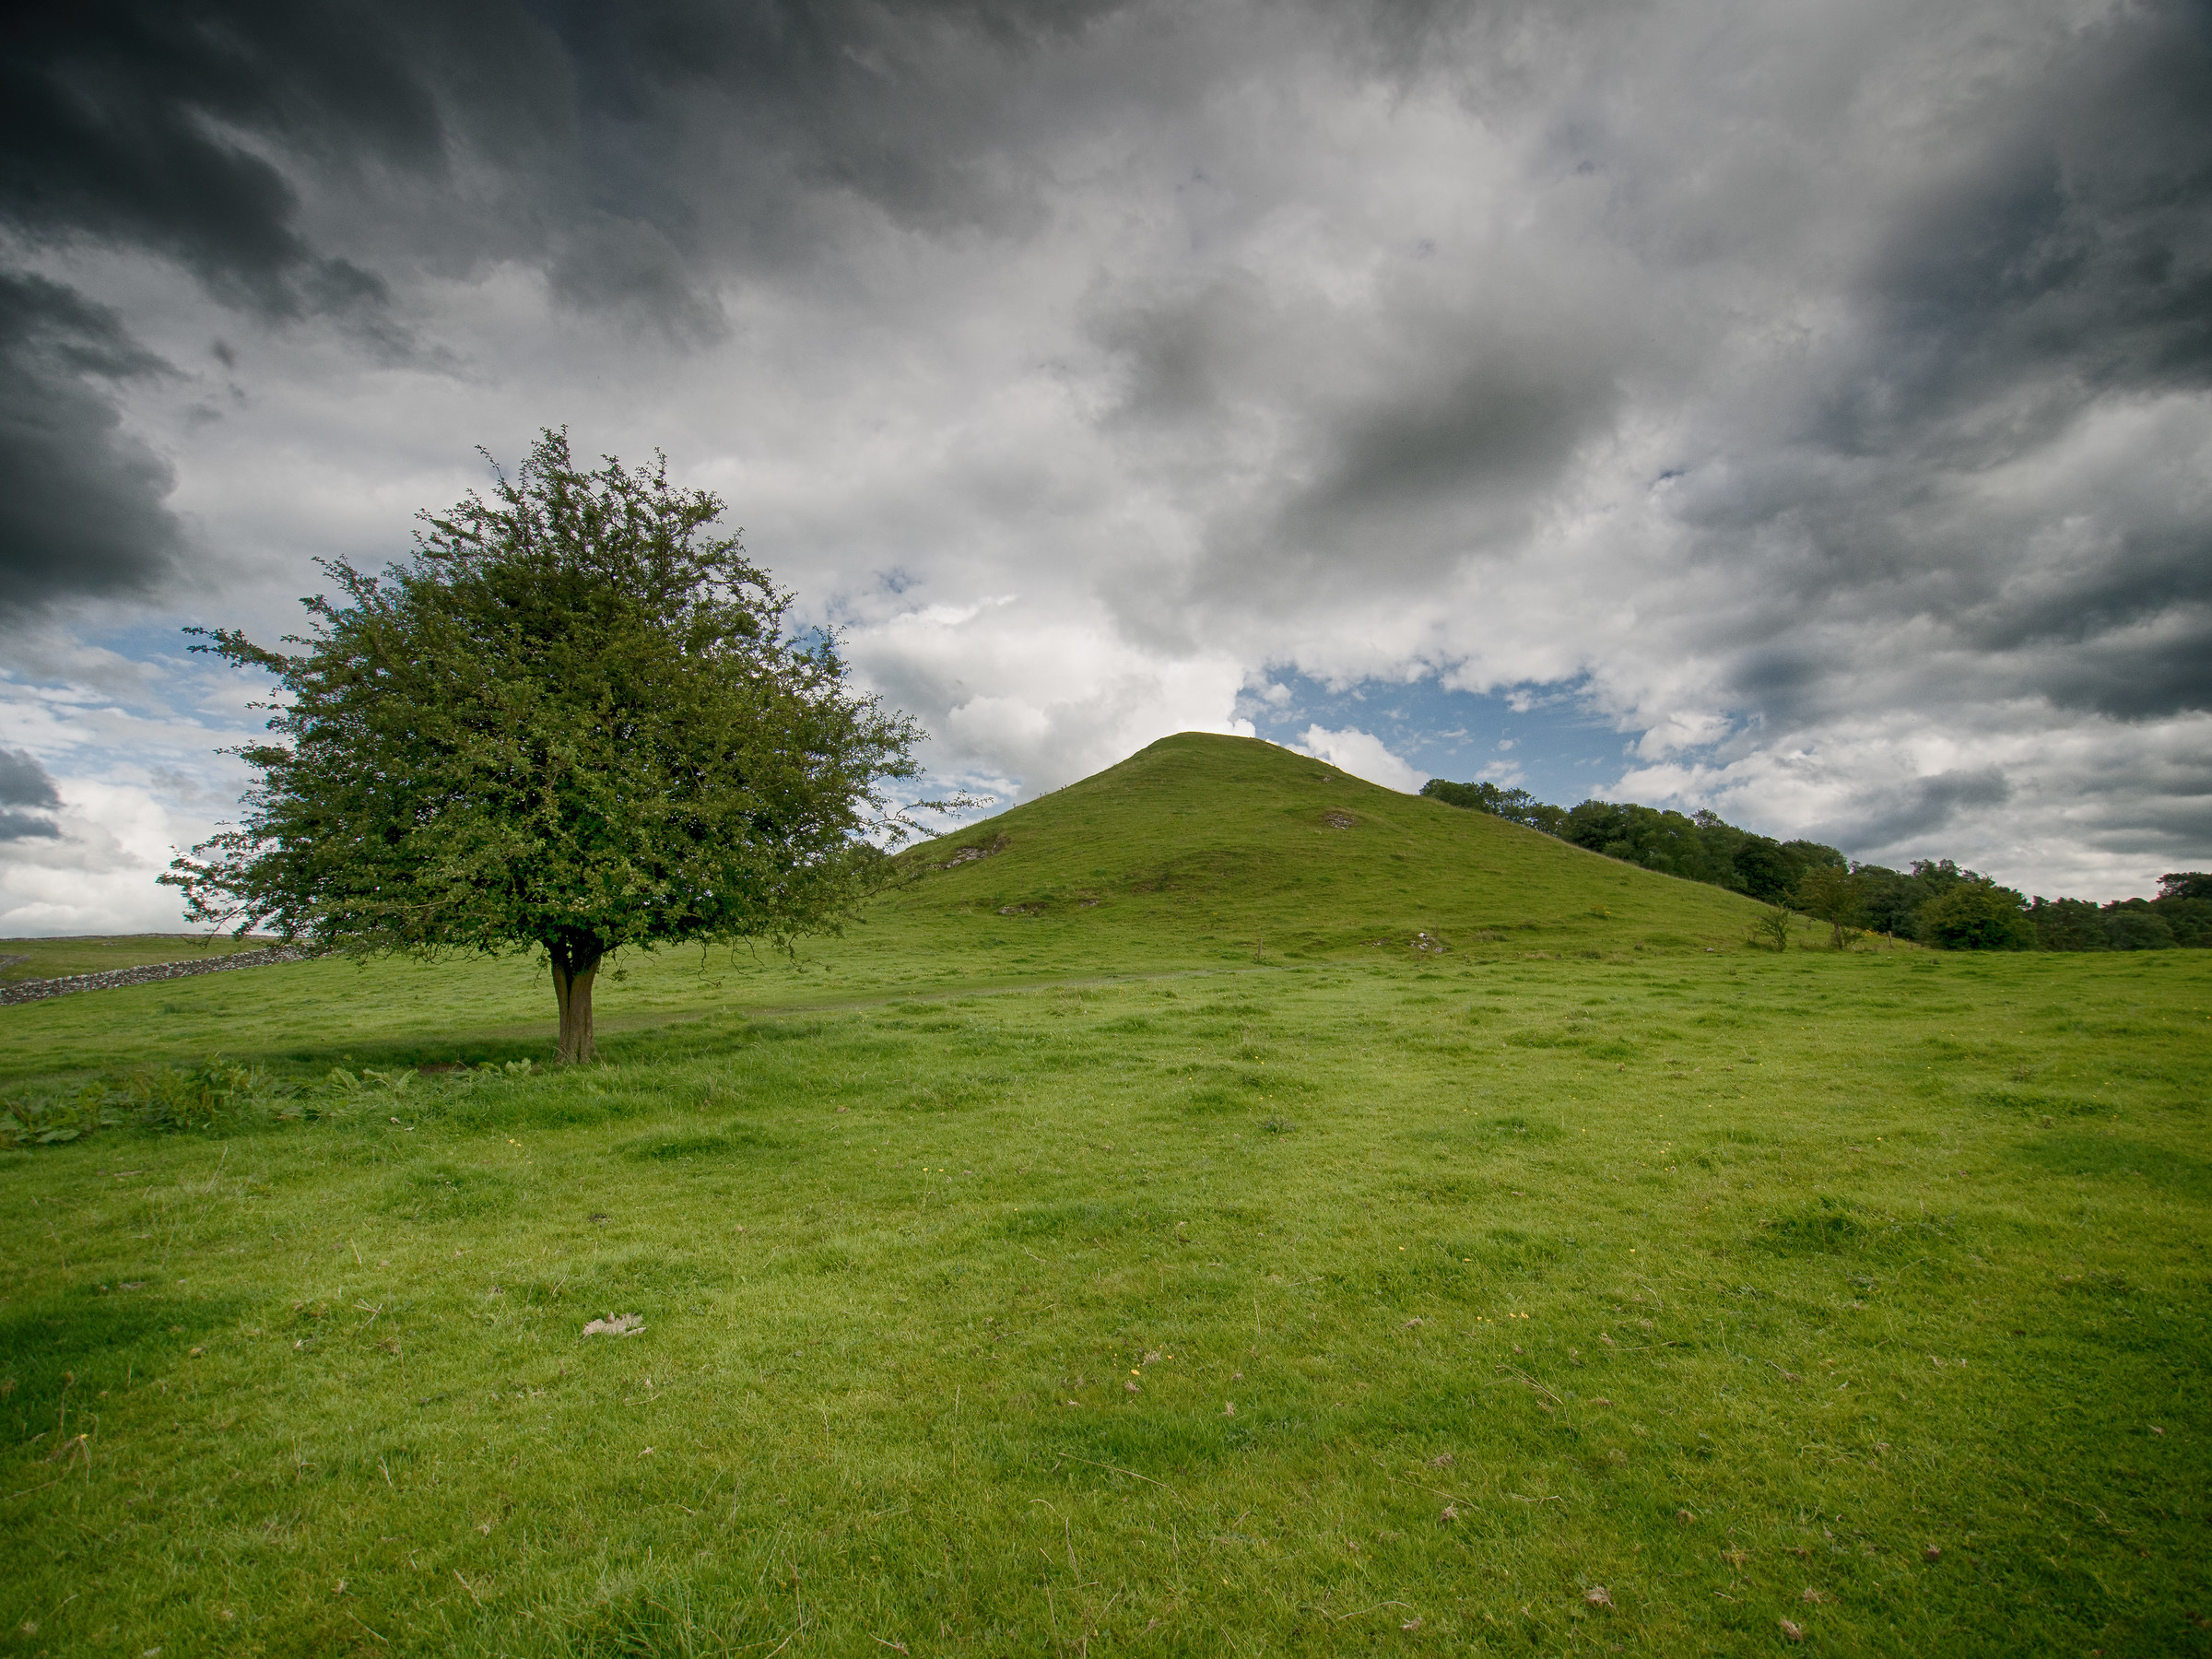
[
  {"x": 1545, "y": 739},
  {"x": 161, "y": 642}
]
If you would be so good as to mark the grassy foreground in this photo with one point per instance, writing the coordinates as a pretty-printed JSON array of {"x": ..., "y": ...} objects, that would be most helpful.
[{"x": 1638, "y": 1302}]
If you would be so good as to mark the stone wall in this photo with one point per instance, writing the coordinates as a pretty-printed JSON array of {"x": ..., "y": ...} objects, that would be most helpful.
[{"x": 37, "y": 990}]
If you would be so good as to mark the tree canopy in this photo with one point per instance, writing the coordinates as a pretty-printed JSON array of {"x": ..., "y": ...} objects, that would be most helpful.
[
  {"x": 1516, "y": 806},
  {"x": 1701, "y": 847},
  {"x": 573, "y": 720},
  {"x": 1977, "y": 915}
]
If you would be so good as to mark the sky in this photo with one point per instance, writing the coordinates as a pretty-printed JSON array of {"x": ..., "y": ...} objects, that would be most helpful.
[{"x": 1801, "y": 410}]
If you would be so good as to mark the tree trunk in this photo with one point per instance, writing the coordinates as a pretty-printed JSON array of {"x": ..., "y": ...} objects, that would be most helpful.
[{"x": 575, "y": 963}]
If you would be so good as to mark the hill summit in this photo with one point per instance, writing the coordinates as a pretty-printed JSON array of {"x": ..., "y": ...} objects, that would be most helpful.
[{"x": 1203, "y": 846}]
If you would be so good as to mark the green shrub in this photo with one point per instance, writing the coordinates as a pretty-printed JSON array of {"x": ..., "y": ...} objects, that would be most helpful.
[
  {"x": 1771, "y": 929},
  {"x": 1977, "y": 915},
  {"x": 50, "y": 1120},
  {"x": 200, "y": 1097},
  {"x": 216, "y": 1094}
]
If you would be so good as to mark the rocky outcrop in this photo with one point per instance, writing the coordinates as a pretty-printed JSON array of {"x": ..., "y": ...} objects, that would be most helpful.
[
  {"x": 995, "y": 845},
  {"x": 145, "y": 974}
]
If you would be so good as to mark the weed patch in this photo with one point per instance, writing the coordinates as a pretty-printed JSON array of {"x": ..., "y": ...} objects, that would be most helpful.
[
  {"x": 1514, "y": 1130},
  {"x": 1828, "y": 1227},
  {"x": 448, "y": 1191},
  {"x": 685, "y": 1148}
]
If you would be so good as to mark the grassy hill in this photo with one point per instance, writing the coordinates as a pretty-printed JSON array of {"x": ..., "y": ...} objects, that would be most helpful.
[
  {"x": 1210, "y": 847},
  {"x": 1198, "y": 852},
  {"x": 1036, "y": 1272}
]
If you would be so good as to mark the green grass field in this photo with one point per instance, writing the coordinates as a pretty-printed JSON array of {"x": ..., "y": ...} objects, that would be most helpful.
[{"x": 1357, "y": 1296}]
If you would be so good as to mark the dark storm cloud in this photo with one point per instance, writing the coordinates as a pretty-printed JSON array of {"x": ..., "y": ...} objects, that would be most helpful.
[
  {"x": 124, "y": 124},
  {"x": 2058, "y": 265},
  {"x": 141, "y": 127},
  {"x": 2136, "y": 677},
  {"x": 1506, "y": 423},
  {"x": 24, "y": 783},
  {"x": 81, "y": 503},
  {"x": 1183, "y": 356},
  {"x": 24, "y": 826},
  {"x": 903, "y": 104},
  {"x": 1918, "y": 809},
  {"x": 2177, "y": 825},
  {"x": 2071, "y": 251},
  {"x": 27, "y": 794},
  {"x": 1782, "y": 679},
  {"x": 1414, "y": 436},
  {"x": 633, "y": 151},
  {"x": 628, "y": 150},
  {"x": 708, "y": 139},
  {"x": 2127, "y": 630}
]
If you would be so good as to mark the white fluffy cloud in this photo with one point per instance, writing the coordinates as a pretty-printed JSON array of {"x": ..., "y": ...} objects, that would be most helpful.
[
  {"x": 131, "y": 747},
  {"x": 1022, "y": 698},
  {"x": 1364, "y": 756}
]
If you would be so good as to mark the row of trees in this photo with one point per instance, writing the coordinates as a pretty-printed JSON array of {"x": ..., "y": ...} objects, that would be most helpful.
[
  {"x": 1700, "y": 848},
  {"x": 1941, "y": 904},
  {"x": 2180, "y": 914},
  {"x": 1933, "y": 900}
]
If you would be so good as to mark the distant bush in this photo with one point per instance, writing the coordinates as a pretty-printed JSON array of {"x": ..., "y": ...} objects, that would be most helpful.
[
  {"x": 2132, "y": 929},
  {"x": 2067, "y": 924},
  {"x": 1977, "y": 915},
  {"x": 1838, "y": 897}
]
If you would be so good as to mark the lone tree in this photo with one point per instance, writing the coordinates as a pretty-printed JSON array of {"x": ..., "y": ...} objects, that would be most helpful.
[
  {"x": 1837, "y": 896},
  {"x": 573, "y": 720},
  {"x": 1771, "y": 928}
]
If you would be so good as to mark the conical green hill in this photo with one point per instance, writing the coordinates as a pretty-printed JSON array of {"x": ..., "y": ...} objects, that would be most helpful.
[{"x": 1204, "y": 848}]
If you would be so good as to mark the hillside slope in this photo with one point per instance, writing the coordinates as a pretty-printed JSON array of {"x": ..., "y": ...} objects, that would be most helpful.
[
  {"x": 1212, "y": 847},
  {"x": 1199, "y": 852}
]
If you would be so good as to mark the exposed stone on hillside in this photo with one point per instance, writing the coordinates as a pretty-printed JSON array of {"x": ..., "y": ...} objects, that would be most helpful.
[{"x": 969, "y": 854}]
